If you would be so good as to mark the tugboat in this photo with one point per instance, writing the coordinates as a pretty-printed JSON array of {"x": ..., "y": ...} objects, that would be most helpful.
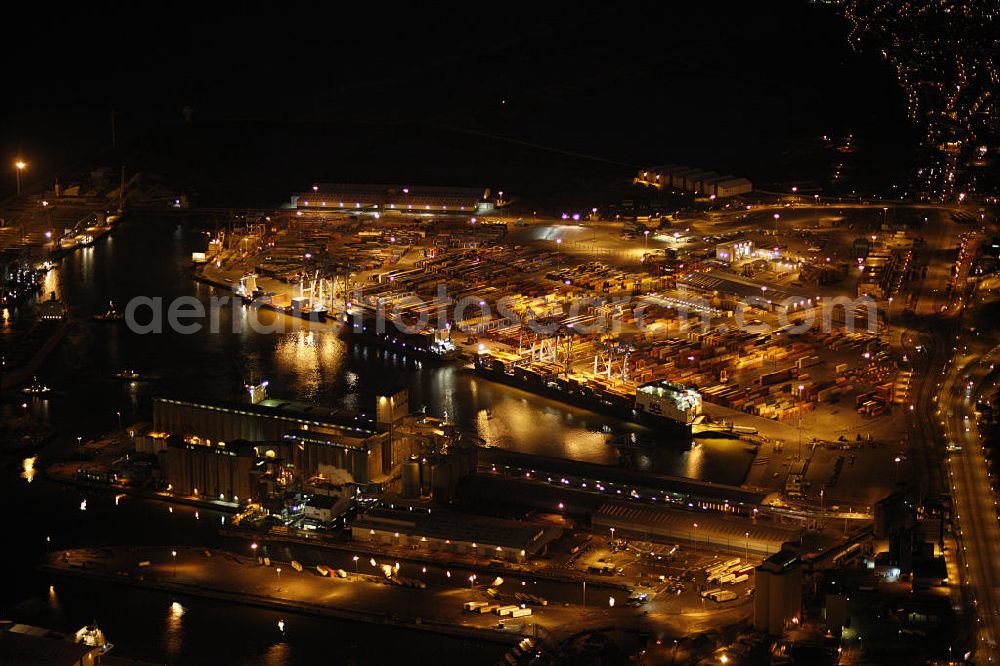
[
  {"x": 89, "y": 636},
  {"x": 52, "y": 309},
  {"x": 111, "y": 315},
  {"x": 36, "y": 388},
  {"x": 92, "y": 636},
  {"x": 247, "y": 289}
]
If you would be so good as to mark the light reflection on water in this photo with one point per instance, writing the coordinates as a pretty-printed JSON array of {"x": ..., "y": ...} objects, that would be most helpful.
[
  {"x": 173, "y": 629},
  {"x": 278, "y": 654},
  {"x": 310, "y": 359},
  {"x": 310, "y": 363},
  {"x": 28, "y": 469}
]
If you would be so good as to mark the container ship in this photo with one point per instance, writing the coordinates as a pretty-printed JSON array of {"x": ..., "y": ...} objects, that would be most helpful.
[
  {"x": 660, "y": 404},
  {"x": 302, "y": 306},
  {"x": 429, "y": 344}
]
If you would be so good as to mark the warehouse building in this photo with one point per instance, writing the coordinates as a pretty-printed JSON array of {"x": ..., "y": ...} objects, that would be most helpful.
[
  {"x": 755, "y": 293},
  {"x": 667, "y": 525},
  {"x": 730, "y": 188},
  {"x": 693, "y": 179},
  {"x": 421, "y": 527},
  {"x": 415, "y": 199}
]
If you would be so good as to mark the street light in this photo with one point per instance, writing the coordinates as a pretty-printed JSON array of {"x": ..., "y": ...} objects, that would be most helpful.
[
  {"x": 279, "y": 578},
  {"x": 798, "y": 454},
  {"x": 79, "y": 446},
  {"x": 19, "y": 167},
  {"x": 355, "y": 558},
  {"x": 173, "y": 554}
]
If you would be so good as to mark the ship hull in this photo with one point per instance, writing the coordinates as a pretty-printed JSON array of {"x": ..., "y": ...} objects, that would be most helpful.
[
  {"x": 308, "y": 315},
  {"x": 586, "y": 399},
  {"x": 397, "y": 343}
]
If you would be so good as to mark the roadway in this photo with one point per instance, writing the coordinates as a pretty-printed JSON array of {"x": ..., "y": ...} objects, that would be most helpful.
[{"x": 966, "y": 377}]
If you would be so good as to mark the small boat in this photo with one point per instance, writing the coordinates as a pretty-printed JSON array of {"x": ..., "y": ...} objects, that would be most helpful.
[
  {"x": 36, "y": 388},
  {"x": 92, "y": 636},
  {"x": 134, "y": 376},
  {"x": 110, "y": 315},
  {"x": 52, "y": 309}
]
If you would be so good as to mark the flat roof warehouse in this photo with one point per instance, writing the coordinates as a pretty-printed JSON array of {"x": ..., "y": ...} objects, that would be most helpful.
[{"x": 395, "y": 198}]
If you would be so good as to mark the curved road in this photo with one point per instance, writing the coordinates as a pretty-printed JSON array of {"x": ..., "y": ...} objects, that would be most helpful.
[{"x": 966, "y": 377}]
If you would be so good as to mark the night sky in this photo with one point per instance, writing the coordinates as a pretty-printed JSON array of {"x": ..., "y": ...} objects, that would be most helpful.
[{"x": 734, "y": 86}]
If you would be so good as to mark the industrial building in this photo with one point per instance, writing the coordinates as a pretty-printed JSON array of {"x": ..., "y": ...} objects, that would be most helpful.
[
  {"x": 222, "y": 470},
  {"x": 266, "y": 420},
  {"x": 739, "y": 289},
  {"x": 692, "y": 179},
  {"x": 667, "y": 525},
  {"x": 733, "y": 251},
  {"x": 219, "y": 448},
  {"x": 415, "y": 199},
  {"x": 601, "y": 481},
  {"x": 428, "y": 528},
  {"x": 778, "y": 595}
]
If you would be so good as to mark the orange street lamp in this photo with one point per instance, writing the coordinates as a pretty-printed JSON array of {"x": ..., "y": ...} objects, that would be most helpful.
[{"x": 19, "y": 167}]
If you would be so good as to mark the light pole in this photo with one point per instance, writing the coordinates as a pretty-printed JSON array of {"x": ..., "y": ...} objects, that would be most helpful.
[
  {"x": 173, "y": 554},
  {"x": 612, "y": 536},
  {"x": 279, "y": 578},
  {"x": 79, "y": 447},
  {"x": 777, "y": 216},
  {"x": 253, "y": 549},
  {"x": 18, "y": 168},
  {"x": 355, "y": 558},
  {"x": 119, "y": 421},
  {"x": 798, "y": 455},
  {"x": 645, "y": 239},
  {"x": 746, "y": 547},
  {"x": 584, "y": 594}
]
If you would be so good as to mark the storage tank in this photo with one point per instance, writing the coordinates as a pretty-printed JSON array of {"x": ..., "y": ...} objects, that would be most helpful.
[
  {"x": 441, "y": 480},
  {"x": 411, "y": 479}
]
